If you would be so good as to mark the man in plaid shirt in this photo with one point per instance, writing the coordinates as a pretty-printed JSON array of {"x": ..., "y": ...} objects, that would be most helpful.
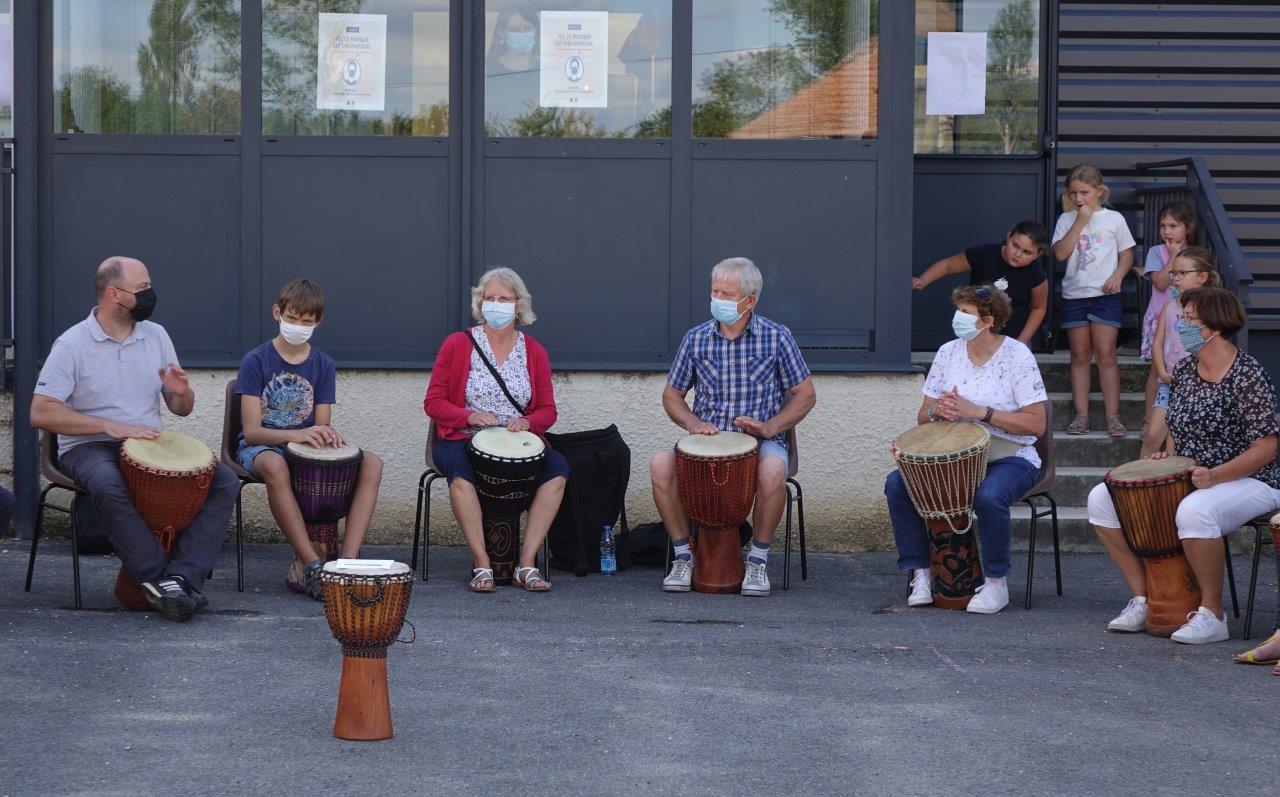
[{"x": 748, "y": 376}]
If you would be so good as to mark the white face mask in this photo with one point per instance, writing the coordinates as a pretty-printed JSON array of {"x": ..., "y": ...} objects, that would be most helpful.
[
  {"x": 498, "y": 314},
  {"x": 520, "y": 41},
  {"x": 295, "y": 334}
]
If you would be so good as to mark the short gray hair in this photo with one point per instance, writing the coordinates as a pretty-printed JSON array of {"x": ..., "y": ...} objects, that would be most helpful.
[
  {"x": 509, "y": 278},
  {"x": 109, "y": 273},
  {"x": 750, "y": 280}
]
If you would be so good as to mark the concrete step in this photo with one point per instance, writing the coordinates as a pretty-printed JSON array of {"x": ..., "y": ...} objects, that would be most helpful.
[
  {"x": 1071, "y": 486},
  {"x": 1131, "y": 406},
  {"x": 1095, "y": 449},
  {"x": 1133, "y": 378},
  {"x": 1074, "y": 531}
]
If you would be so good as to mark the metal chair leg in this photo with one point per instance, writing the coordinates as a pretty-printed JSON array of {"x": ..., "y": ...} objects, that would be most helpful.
[
  {"x": 1231, "y": 577},
  {"x": 804, "y": 549},
  {"x": 240, "y": 539},
  {"x": 417, "y": 521},
  {"x": 426, "y": 527},
  {"x": 1057, "y": 552},
  {"x": 35, "y": 535},
  {"x": 1031, "y": 553},
  {"x": 786, "y": 546},
  {"x": 75, "y": 556},
  {"x": 1253, "y": 580}
]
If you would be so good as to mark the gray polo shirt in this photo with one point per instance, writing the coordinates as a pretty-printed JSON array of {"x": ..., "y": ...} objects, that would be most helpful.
[{"x": 93, "y": 374}]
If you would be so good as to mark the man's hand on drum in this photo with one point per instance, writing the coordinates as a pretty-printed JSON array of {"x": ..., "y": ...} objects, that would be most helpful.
[
  {"x": 122, "y": 431},
  {"x": 518, "y": 425},
  {"x": 701, "y": 427},
  {"x": 482, "y": 420},
  {"x": 751, "y": 426},
  {"x": 174, "y": 379}
]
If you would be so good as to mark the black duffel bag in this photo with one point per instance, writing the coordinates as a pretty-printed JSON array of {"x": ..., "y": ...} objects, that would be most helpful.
[{"x": 600, "y": 468}]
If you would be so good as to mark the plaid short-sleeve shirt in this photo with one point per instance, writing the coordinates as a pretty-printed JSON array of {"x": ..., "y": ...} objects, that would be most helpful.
[{"x": 749, "y": 375}]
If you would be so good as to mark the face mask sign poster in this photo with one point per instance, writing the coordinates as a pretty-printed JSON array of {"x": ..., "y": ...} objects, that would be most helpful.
[
  {"x": 574, "y": 59},
  {"x": 352, "y": 62}
]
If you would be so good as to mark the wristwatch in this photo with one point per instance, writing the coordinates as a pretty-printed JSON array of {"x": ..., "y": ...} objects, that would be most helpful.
[{"x": 990, "y": 411}]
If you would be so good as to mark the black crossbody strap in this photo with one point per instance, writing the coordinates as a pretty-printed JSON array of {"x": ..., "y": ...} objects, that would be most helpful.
[{"x": 496, "y": 377}]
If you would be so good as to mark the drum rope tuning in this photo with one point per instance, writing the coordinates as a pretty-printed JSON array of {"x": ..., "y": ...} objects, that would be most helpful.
[{"x": 958, "y": 476}]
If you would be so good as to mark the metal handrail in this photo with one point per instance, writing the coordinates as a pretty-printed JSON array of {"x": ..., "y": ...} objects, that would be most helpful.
[{"x": 1214, "y": 226}]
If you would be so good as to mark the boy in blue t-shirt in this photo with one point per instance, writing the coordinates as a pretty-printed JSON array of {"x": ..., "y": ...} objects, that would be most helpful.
[{"x": 287, "y": 391}]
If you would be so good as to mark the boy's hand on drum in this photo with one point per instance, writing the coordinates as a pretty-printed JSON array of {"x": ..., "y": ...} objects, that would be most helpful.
[
  {"x": 701, "y": 427},
  {"x": 174, "y": 379},
  {"x": 1202, "y": 478},
  {"x": 753, "y": 427},
  {"x": 331, "y": 436},
  {"x": 518, "y": 425},
  {"x": 123, "y": 431},
  {"x": 312, "y": 436},
  {"x": 482, "y": 420}
]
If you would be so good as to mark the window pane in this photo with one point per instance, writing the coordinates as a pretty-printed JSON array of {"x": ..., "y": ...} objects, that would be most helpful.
[
  {"x": 6, "y": 69},
  {"x": 1011, "y": 124},
  {"x": 785, "y": 68},
  {"x": 138, "y": 66},
  {"x": 585, "y": 69},
  {"x": 399, "y": 85}
]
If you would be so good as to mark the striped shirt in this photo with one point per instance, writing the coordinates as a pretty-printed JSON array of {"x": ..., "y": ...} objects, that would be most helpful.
[{"x": 749, "y": 375}]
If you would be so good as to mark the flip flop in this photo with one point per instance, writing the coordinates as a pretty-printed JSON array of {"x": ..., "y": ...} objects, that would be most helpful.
[{"x": 1248, "y": 656}]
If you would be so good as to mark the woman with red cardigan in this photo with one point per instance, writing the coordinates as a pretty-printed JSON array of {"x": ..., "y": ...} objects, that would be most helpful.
[{"x": 463, "y": 398}]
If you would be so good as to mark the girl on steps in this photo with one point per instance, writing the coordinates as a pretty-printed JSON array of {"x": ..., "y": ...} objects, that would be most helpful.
[
  {"x": 1177, "y": 222},
  {"x": 1097, "y": 246},
  {"x": 1191, "y": 268}
]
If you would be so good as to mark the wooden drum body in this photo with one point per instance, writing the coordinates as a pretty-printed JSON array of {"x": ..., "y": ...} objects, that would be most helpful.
[
  {"x": 365, "y": 603},
  {"x": 1146, "y": 494},
  {"x": 942, "y": 463},
  {"x": 324, "y": 482},
  {"x": 716, "y": 475},
  {"x": 168, "y": 479},
  {"x": 507, "y": 466}
]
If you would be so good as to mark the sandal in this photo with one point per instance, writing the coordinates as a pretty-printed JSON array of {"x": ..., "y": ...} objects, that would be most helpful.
[
  {"x": 1079, "y": 425},
  {"x": 1250, "y": 657},
  {"x": 482, "y": 579},
  {"x": 530, "y": 579},
  {"x": 1115, "y": 426}
]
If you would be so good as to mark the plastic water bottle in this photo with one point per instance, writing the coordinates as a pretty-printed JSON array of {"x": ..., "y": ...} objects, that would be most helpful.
[{"x": 608, "y": 552}]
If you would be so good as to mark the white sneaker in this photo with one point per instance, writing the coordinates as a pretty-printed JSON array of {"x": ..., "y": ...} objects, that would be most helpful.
[
  {"x": 680, "y": 577},
  {"x": 1202, "y": 628},
  {"x": 756, "y": 580},
  {"x": 921, "y": 590},
  {"x": 991, "y": 597},
  {"x": 1132, "y": 619}
]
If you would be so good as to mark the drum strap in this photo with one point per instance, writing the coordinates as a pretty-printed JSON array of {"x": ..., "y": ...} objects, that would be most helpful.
[{"x": 496, "y": 377}]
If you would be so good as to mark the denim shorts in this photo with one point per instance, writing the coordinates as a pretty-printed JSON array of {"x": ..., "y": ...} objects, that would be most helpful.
[
  {"x": 770, "y": 448},
  {"x": 1103, "y": 310},
  {"x": 246, "y": 453},
  {"x": 1162, "y": 397}
]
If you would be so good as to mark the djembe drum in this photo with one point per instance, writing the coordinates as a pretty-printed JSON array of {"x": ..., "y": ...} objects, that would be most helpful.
[
  {"x": 716, "y": 475},
  {"x": 1146, "y": 494},
  {"x": 507, "y": 466},
  {"x": 168, "y": 479},
  {"x": 942, "y": 463},
  {"x": 365, "y": 602},
  {"x": 323, "y": 481}
]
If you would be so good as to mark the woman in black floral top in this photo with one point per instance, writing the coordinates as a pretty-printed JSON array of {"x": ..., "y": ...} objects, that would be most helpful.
[{"x": 1222, "y": 414}]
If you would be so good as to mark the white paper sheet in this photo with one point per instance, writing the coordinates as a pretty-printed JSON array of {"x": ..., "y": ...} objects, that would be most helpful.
[
  {"x": 574, "y": 61},
  {"x": 956, "y": 74},
  {"x": 352, "y": 62}
]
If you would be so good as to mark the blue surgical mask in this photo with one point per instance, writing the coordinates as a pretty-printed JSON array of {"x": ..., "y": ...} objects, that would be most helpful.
[
  {"x": 725, "y": 311},
  {"x": 965, "y": 325},
  {"x": 1174, "y": 293},
  {"x": 498, "y": 314},
  {"x": 1189, "y": 334},
  {"x": 520, "y": 41}
]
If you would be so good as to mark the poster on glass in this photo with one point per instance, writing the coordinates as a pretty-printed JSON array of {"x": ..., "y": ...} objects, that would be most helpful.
[
  {"x": 352, "y": 62},
  {"x": 574, "y": 67}
]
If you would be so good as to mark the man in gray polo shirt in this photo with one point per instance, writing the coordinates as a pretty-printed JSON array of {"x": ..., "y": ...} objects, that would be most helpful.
[{"x": 103, "y": 382}]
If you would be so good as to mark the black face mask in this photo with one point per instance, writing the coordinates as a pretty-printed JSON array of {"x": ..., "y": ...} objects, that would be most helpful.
[{"x": 144, "y": 304}]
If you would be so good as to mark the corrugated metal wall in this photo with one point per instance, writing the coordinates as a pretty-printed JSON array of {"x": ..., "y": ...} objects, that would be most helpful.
[{"x": 1152, "y": 81}]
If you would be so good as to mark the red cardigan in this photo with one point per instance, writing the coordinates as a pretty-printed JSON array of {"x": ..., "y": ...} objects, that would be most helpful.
[{"x": 446, "y": 399}]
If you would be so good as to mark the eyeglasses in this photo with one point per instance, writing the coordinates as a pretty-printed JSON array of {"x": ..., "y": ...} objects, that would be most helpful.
[{"x": 1178, "y": 272}]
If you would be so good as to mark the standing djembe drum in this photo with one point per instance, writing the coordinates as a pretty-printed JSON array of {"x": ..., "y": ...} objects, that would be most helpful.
[
  {"x": 942, "y": 463},
  {"x": 716, "y": 475},
  {"x": 507, "y": 466},
  {"x": 1146, "y": 494},
  {"x": 168, "y": 479},
  {"x": 324, "y": 482},
  {"x": 365, "y": 602}
]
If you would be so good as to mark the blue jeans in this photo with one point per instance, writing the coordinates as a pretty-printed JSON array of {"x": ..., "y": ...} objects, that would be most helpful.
[{"x": 1007, "y": 481}]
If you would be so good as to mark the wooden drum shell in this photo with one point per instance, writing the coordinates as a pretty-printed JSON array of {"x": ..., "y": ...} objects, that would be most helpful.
[
  {"x": 1147, "y": 509},
  {"x": 717, "y": 494},
  {"x": 505, "y": 487}
]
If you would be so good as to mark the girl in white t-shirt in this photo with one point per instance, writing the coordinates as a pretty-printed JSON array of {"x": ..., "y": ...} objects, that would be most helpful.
[
  {"x": 1097, "y": 246},
  {"x": 985, "y": 377}
]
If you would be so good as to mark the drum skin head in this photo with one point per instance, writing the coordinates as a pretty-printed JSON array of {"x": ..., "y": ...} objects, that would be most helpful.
[
  {"x": 509, "y": 445},
  {"x": 940, "y": 438},
  {"x": 720, "y": 444},
  {"x": 366, "y": 567},
  {"x": 337, "y": 453},
  {"x": 1141, "y": 470},
  {"x": 171, "y": 451}
]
